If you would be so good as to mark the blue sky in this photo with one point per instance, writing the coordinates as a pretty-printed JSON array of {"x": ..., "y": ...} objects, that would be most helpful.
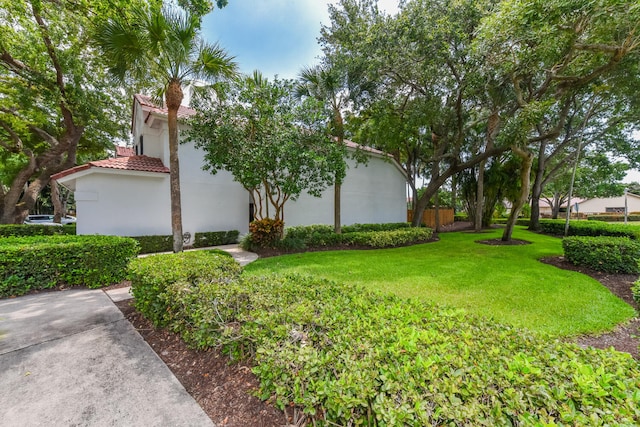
[{"x": 273, "y": 36}]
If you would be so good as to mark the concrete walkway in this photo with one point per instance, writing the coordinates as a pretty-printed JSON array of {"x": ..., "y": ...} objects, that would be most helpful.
[{"x": 70, "y": 358}]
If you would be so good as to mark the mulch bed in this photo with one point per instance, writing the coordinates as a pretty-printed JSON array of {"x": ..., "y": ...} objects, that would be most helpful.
[
  {"x": 225, "y": 391},
  {"x": 625, "y": 337}
]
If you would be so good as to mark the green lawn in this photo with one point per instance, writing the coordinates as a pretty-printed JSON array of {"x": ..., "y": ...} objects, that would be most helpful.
[{"x": 506, "y": 283}]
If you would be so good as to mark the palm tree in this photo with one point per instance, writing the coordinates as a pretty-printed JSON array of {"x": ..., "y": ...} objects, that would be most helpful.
[
  {"x": 162, "y": 48},
  {"x": 337, "y": 88}
]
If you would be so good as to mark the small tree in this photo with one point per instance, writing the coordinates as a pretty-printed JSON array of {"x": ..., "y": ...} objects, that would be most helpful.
[{"x": 275, "y": 145}]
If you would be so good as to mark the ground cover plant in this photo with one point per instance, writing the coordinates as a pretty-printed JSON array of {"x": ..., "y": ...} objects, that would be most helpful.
[
  {"x": 341, "y": 354},
  {"x": 505, "y": 283}
]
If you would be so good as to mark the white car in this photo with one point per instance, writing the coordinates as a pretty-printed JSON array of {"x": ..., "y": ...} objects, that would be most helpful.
[{"x": 48, "y": 219}]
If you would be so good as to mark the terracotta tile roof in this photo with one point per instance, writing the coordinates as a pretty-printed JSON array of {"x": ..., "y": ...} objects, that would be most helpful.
[
  {"x": 131, "y": 163},
  {"x": 354, "y": 145},
  {"x": 124, "y": 151},
  {"x": 148, "y": 105}
]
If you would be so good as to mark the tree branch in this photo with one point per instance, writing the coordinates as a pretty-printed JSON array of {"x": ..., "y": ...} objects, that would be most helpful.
[{"x": 14, "y": 137}]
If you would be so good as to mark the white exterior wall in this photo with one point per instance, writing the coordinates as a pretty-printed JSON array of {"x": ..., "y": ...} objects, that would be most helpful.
[
  {"x": 210, "y": 202},
  {"x": 123, "y": 205},
  {"x": 138, "y": 203},
  {"x": 600, "y": 205},
  {"x": 371, "y": 193}
]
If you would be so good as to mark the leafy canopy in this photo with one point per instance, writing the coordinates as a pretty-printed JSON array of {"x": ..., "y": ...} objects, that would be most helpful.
[{"x": 274, "y": 144}]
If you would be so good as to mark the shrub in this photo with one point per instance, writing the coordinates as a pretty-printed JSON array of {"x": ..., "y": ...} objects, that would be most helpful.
[
  {"x": 304, "y": 232},
  {"x": 343, "y": 355},
  {"x": 154, "y": 244},
  {"x": 372, "y": 235},
  {"x": 375, "y": 227},
  {"x": 266, "y": 232},
  {"x": 608, "y": 254},
  {"x": 18, "y": 230},
  {"x": 215, "y": 238},
  {"x": 385, "y": 239},
  {"x": 151, "y": 275},
  {"x": 42, "y": 262},
  {"x": 588, "y": 228},
  {"x": 613, "y": 218}
]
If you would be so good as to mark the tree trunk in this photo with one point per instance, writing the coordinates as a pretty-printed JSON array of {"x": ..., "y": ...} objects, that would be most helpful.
[
  {"x": 454, "y": 193},
  {"x": 536, "y": 192},
  {"x": 337, "y": 228},
  {"x": 555, "y": 208},
  {"x": 12, "y": 197},
  {"x": 437, "y": 212},
  {"x": 173, "y": 97},
  {"x": 477, "y": 226},
  {"x": 525, "y": 180},
  {"x": 337, "y": 190},
  {"x": 58, "y": 211}
]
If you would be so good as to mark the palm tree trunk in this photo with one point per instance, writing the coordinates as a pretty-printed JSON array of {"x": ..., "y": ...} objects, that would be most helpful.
[{"x": 173, "y": 97}]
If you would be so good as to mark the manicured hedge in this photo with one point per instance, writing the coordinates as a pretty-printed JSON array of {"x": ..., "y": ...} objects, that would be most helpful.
[
  {"x": 386, "y": 226},
  {"x": 343, "y": 355},
  {"x": 304, "y": 232},
  {"x": 588, "y": 228},
  {"x": 372, "y": 239},
  {"x": 613, "y": 218},
  {"x": 372, "y": 235},
  {"x": 42, "y": 262},
  {"x": 603, "y": 253},
  {"x": 154, "y": 244},
  {"x": 23, "y": 230},
  {"x": 151, "y": 275},
  {"x": 215, "y": 238}
]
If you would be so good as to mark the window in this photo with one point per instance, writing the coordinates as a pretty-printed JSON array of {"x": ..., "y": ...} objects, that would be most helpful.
[
  {"x": 614, "y": 210},
  {"x": 141, "y": 145}
]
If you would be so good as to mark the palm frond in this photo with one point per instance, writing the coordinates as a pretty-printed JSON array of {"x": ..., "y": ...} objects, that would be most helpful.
[{"x": 214, "y": 62}]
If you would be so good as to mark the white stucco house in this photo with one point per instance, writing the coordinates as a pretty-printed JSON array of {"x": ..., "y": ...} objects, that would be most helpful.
[
  {"x": 128, "y": 195},
  {"x": 611, "y": 205}
]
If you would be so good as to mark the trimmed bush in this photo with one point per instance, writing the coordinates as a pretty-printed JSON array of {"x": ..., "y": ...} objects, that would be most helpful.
[
  {"x": 151, "y": 275},
  {"x": 266, "y": 232},
  {"x": 385, "y": 239},
  {"x": 343, "y": 355},
  {"x": 354, "y": 228},
  {"x": 154, "y": 244},
  {"x": 317, "y": 236},
  {"x": 24, "y": 230},
  {"x": 602, "y": 253},
  {"x": 613, "y": 218},
  {"x": 42, "y": 262},
  {"x": 588, "y": 228},
  {"x": 215, "y": 238},
  {"x": 304, "y": 232}
]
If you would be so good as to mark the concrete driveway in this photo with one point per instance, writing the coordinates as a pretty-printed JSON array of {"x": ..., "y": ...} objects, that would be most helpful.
[{"x": 70, "y": 358}]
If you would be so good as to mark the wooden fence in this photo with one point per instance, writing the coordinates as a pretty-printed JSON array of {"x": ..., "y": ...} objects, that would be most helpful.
[{"x": 429, "y": 217}]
